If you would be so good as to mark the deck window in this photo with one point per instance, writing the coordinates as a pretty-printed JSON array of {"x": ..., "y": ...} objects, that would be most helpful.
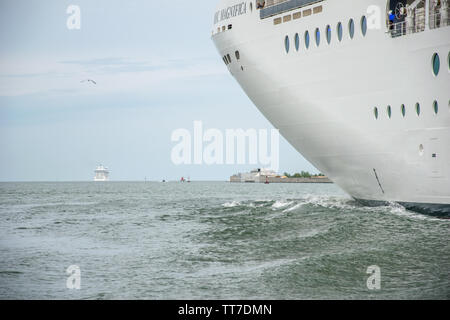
[
  {"x": 418, "y": 109},
  {"x": 375, "y": 112},
  {"x": 389, "y": 111},
  {"x": 403, "y": 109}
]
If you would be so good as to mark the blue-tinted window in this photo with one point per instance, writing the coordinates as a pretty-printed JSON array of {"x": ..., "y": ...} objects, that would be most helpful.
[
  {"x": 339, "y": 31},
  {"x": 418, "y": 109},
  {"x": 375, "y": 112},
  {"x": 317, "y": 37},
  {"x": 389, "y": 111},
  {"x": 364, "y": 25},
  {"x": 328, "y": 34},
  {"x": 286, "y": 44},
  {"x": 351, "y": 28},
  {"x": 307, "y": 39},
  {"x": 403, "y": 108}
]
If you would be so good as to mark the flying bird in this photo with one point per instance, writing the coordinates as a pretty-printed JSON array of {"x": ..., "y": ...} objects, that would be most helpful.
[{"x": 89, "y": 80}]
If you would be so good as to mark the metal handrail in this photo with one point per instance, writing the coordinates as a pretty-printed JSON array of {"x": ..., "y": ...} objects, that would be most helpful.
[{"x": 399, "y": 29}]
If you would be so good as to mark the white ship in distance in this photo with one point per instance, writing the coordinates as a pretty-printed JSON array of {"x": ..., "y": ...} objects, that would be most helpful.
[
  {"x": 360, "y": 88},
  {"x": 101, "y": 174}
]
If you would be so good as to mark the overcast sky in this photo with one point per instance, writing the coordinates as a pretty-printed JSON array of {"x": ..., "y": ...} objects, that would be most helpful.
[{"x": 156, "y": 70}]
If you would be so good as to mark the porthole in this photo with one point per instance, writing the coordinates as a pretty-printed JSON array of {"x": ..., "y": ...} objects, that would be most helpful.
[
  {"x": 251, "y": 6},
  {"x": 448, "y": 61},
  {"x": 389, "y": 111},
  {"x": 435, "y": 107},
  {"x": 364, "y": 25},
  {"x": 328, "y": 34},
  {"x": 418, "y": 109},
  {"x": 375, "y": 112},
  {"x": 351, "y": 28},
  {"x": 286, "y": 44},
  {"x": 238, "y": 55},
  {"x": 297, "y": 42},
  {"x": 317, "y": 36},
  {"x": 229, "y": 58},
  {"x": 436, "y": 64},
  {"x": 307, "y": 39},
  {"x": 339, "y": 31},
  {"x": 403, "y": 110},
  {"x": 421, "y": 150}
]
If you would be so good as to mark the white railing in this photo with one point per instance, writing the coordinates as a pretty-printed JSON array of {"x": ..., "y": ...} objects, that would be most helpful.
[
  {"x": 440, "y": 19},
  {"x": 437, "y": 20}
]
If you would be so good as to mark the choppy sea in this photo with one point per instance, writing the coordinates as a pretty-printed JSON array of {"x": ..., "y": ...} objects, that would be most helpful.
[{"x": 214, "y": 240}]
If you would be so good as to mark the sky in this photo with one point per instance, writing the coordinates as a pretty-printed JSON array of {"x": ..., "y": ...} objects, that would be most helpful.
[{"x": 156, "y": 69}]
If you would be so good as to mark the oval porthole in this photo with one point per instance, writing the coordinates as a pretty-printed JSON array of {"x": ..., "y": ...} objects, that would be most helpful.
[
  {"x": 238, "y": 55},
  {"x": 389, "y": 111},
  {"x": 364, "y": 25},
  {"x": 297, "y": 42},
  {"x": 375, "y": 112},
  {"x": 339, "y": 31},
  {"x": 403, "y": 109},
  {"x": 286, "y": 44},
  {"x": 418, "y": 109},
  {"x": 307, "y": 39},
  {"x": 436, "y": 64},
  {"x": 435, "y": 107},
  {"x": 351, "y": 28},
  {"x": 251, "y": 6},
  {"x": 448, "y": 61},
  {"x": 317, "y": 36},
  {"x": 328, "y": 34}
]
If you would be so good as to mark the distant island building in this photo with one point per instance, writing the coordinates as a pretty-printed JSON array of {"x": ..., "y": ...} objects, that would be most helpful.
[
  {"x": 101, "y": 174},
  {"x": 270, "y": 176}
]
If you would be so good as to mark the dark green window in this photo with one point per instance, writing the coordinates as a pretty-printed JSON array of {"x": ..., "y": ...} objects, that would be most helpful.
[{"x": 436, "y": 64}]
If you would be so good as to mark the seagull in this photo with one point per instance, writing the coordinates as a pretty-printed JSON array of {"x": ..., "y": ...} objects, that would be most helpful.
[{"x": 89, "y": 80}]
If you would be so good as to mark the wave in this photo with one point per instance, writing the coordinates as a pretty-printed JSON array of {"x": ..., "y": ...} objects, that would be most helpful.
[{"x": 341, "y": 203}]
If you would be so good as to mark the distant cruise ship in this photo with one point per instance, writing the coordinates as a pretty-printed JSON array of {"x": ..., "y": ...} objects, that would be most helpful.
[
  {"x": 360, "y": 88},
  {"x": 101, "y": 174}
]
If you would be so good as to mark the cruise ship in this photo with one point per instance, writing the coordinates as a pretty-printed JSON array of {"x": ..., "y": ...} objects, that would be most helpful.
[
  {"x": 361, "y": 88},
  {"x": 101, "y": 174}
]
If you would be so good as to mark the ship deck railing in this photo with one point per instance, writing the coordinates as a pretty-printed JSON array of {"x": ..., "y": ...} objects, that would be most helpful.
[
  {"x": 402, "y": 28},
  {"x": 269, "y": 8}
]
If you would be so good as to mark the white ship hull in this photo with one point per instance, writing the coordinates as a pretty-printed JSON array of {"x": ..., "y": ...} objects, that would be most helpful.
[{"x": 322, "y": 99}]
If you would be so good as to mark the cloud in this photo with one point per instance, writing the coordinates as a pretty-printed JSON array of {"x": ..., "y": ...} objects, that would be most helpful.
[{"x": 113, "y": 74}]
